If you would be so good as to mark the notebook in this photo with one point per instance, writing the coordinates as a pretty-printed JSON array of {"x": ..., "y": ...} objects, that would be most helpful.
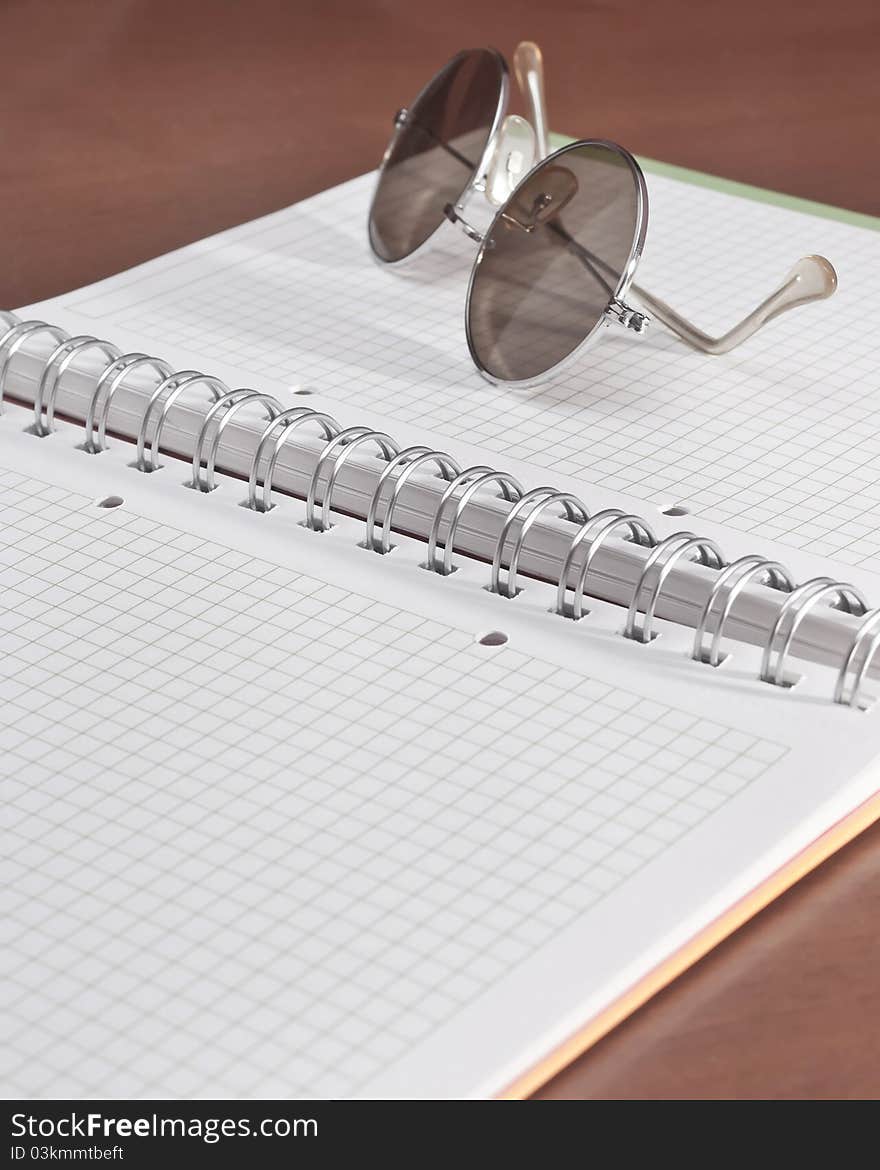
[{"x": 289, "y": 817}]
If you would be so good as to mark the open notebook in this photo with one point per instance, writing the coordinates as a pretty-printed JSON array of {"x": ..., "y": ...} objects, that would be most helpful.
[{"x": 289, "y": 817}]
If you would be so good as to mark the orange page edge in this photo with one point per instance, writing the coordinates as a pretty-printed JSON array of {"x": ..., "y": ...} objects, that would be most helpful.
[{"x": 802, "y": 863}]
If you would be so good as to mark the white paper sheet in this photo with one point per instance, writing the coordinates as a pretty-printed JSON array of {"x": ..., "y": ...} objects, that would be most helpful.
[{"x": 280, "y": 824}]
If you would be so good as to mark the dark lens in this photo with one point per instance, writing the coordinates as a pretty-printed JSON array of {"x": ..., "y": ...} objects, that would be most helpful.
[
  {"x": 435, "y": 152},
  {"x": 554, "y": 257}
]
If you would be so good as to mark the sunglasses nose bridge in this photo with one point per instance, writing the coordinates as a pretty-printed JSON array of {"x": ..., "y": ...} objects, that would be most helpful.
[{"x": 512, "y": 159}]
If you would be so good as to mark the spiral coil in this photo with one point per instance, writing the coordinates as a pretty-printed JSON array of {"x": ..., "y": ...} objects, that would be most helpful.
[
  {"x": 527, "y": 509},
  {"x": 661, "y": 560},
  {"x": 867, "y": 635},
  {"x": 594, "y": 533},
  {"x": 112, "y": 378},
  {"x": 793, "y": 610},
  {"x": 15, "y": 337},
  {"x": 472, "y": 481},
  {"x": 226, "y": 407},
  {"x": 333, "y": 456},
  {"x": 285, "y": 424},
  {"x": 60, "y": 360},
  {"x": 730, "y": 583},
  {"x": 524, "y": 507},
  {"x": 406, "y": 463}
]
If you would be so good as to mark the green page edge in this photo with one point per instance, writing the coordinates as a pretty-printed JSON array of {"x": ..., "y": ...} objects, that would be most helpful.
[{"x": 745, "y": 191}]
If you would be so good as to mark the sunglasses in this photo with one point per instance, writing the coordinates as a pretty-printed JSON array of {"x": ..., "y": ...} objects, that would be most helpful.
[{"x": 557, "y": 261}]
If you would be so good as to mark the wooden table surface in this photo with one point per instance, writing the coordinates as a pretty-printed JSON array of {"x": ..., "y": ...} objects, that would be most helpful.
[{"x": 130, "y": 127}]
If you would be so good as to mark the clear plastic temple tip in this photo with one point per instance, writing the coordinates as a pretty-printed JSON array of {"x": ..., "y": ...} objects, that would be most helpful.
[
  {"x": 812, "y": 279},
  {"x": 528, "y": 64}
]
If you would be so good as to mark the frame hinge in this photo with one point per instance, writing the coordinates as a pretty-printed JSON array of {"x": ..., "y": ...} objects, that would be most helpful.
[
  {"x": 453, "y": 216},
  {"x": 627, "y": 316}
]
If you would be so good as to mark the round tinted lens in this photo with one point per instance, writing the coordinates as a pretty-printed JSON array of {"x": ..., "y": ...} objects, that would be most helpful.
[
  {"x": 555, "y": 255},
  {"x": 436, "y": 151}
]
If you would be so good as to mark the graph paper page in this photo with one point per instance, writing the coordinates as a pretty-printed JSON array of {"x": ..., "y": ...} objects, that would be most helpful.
[
  {"x": 268, "y": 835},
  {"x": 779, "y": 438}
]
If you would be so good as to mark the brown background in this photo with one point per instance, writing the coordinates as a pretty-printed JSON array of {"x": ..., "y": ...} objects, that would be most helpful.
[{"x": 129, "y": 127}]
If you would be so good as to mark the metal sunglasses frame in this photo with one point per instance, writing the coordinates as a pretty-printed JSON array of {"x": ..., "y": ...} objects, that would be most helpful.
[
  {"x": 617, "y": 310},
  {"x": 811, "y": 279},
  {"x": 528, "y": 65}
]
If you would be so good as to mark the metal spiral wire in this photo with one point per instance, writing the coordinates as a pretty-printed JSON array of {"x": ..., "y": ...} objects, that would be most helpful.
[
  {"x": 791, "y": 613},
  {"x": 462, "y": 486},
  {"x": 57, "y": 364},
  {"x": 275, "y": 436},
  {"x": 593, "y": 534},
  {"x": 661, "y": 560},
  {"x": 226, "y": 408},
  {"x": 468, "y": 483},
  {"x": 331, "y": 459},
  {"x": 401, "y": 467}
]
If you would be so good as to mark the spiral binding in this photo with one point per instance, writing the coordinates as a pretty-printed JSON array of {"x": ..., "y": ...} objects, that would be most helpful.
[
  {"x": 112, "y": 377},
  {"x": 462, "y": 485},
  {"x": 164, "y": 397},
  {"x": 794, "y": 609},
  {"x": 285, "y": 423},
  {"x": 229, "y": 404},
  {"x": 390, "y": 469},
  {"x": 335, "y": 453},
  {"x": 660, "y": 562},
  {"x": 594, "y": 533},
  {"x": 533, "y": 504},
  {"x": 405, "y": 462},
  {"x": 730, "y": 583},
  {"x": 472, "y": 480},
  {"x": 15, "y": 337},
  {"x": 868, "y": 633},
  {"x": 58, "y": 362}
]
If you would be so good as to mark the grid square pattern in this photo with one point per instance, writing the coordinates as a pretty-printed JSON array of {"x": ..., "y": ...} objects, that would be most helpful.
[
  {"x": 265, "y": 835},
  {"x": 780, "y": 438}
]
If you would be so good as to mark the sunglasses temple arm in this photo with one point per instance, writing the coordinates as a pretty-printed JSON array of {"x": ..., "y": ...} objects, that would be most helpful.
[
  {"x": 405, "y": 118},
  {"x": 456, "y": 154},
  {"x": 812, "y": 279},
  {"x": 528, "y": 64},
  {"x": 590, "y": 260}
]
